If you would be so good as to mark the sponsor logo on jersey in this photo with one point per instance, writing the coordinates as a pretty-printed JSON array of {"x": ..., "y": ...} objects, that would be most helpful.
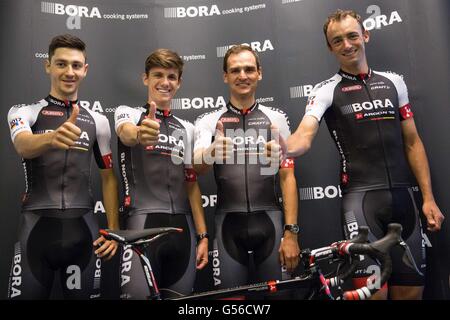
[
  {"x": 125, "y": 269},
  {"x": 259, "y": 46},
  {"x": 16, "y": 122},
  {"x": 52, "y": 113},
  {"x": 229, "y": 119},
  {"x": 351, "y": 88},
  {"x": 216, "y": 265}
]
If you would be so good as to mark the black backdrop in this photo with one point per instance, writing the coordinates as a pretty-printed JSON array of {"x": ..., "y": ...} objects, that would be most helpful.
[{"x": 409, "y": 37}]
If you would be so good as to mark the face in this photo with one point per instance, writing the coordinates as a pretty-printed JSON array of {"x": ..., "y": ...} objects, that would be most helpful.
[
  {"x": 162, "y": 85},
  {"x": 242, "y": 75},
  {"x": 347, "y": 42},
  {"x": 67, "y": 69}
]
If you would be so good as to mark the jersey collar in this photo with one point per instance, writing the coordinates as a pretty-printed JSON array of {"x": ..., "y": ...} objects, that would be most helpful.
[
  {"x": 62, "y": 103},
  {"x": 243, "y": 111},
  {"x": 360, "y": 77}
]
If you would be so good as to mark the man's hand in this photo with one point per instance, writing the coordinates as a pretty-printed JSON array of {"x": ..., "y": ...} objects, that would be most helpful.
[
  {"x": 202, "y": 254},
  {"x": 433, "y": 215},
  {"x": 148, "y": 131},
  {"x": 106, "y": 249},
  {"x": 222, "y": 147},
  {"x": 66, "y": 135},
  {"x": 277, "y": 147},
  {"x": 289, "y": 251}
]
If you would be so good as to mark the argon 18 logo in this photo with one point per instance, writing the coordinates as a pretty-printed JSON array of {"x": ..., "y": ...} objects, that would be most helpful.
[{"x": 351, "y": 88}]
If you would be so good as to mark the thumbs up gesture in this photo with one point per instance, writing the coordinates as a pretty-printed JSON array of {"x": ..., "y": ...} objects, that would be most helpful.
[
  {"x": 277, "y": 147},
  {"x": 66, "y": 135},
  {"x": 148, "y": 131},
  {"x": 223, "y": 146}
]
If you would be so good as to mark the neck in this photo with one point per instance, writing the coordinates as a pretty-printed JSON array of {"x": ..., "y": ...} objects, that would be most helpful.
[
  {"x": 242, "y": 102},
  {"x": 356, "y": 69},
  {"x": 63, "y": 97}
]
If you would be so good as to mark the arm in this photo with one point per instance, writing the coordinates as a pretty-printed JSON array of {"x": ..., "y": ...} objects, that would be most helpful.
[
  {"x": 29, "y": 145},
  {"x": 108, "y": 248},
  {"x": 127, "y": 133},
  {"x": 195, "y": 200},
  {"x": 289, "y": 248},
  {"x": 417, "y": 158},
  {"x": 300, "y": 141}
]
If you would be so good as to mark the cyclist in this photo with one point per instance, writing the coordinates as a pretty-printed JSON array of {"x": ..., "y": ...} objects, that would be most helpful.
[
  {"x": 56, "y": 139},
  {"x": 369, "y": 117},
  {"x": 236, "y": 139},
  {"x": 160, "y": 186}
]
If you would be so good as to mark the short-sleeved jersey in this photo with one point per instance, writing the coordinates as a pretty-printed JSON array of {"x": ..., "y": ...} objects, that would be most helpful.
[
  {"x": 363, "y": 114},
  {"x": 153, "y": 177},
  {"x": 60, "y": 179},
  {"x": 245, "y": 185}
]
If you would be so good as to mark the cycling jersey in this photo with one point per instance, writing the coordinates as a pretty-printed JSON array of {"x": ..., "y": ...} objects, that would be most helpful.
[
  {"x": 153, "y": 177},
  {"x": 363, "y": 115},
  {"x": 60, "y": 179},
  {"x": 242, "y": 185}
]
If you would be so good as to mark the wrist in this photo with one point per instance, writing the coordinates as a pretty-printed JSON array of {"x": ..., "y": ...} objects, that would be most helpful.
[
  {"x": 291, "y": 229},
  {"x": 202, "y": 236}
]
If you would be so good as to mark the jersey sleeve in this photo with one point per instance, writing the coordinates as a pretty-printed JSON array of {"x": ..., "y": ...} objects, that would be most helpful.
[
  {"x": 124, "y": 114},
  {"x": 320, "y": 99},
  {"x": 21, "y": 118},
  {"x": 102, "y": 147},
  {"x": 205, "y": 127},
  {"x": 402, "y": 92}
]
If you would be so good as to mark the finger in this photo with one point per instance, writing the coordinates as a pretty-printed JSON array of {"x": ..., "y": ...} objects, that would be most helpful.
[
  {"x": 74, "y": 115},
  {"x": 152, "y": 111},
  {"x": 70, "y": 131},
  {"x": 275, "y": 132},
  {"x": 219, "y": 129},
  {"x": 151, "y": 124}
]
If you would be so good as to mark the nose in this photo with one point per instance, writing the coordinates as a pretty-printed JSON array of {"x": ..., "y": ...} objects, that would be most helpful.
[
  {"x": 347, "y": 43},
  {"x": 242, "y": 74},
  {"x": 69, "y": 71}
]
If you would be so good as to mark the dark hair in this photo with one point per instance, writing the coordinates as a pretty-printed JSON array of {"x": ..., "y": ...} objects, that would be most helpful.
[
  {"x": 339, "y": 15},
  {"x": 164, "y": 58},
  {"x": 66, "y": 41},
  {"x": 238, "y": 49}
]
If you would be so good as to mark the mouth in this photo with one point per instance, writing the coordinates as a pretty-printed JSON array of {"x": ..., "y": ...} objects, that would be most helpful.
[
  {"x": 350, "y": 53},
  {"x": 163, "y": 91}
]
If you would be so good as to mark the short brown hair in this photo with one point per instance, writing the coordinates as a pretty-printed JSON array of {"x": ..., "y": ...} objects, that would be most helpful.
[
  {"x": 164, "y": 58},
  {"x": 66, "y": 41},
  {"x": 238, "y": 49},
  {"x": 339, "y": 15}
]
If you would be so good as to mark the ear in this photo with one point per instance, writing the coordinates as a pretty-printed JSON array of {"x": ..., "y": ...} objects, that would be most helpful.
[
  {"x": 86, "y": 68},
  {"x": 145, "y": 79},
  {"x": 47, "y": 66},
  {"x": 366, "y": 36},
  {"x": 260, "y": 73},
  {"x": 225, "y": 78}
]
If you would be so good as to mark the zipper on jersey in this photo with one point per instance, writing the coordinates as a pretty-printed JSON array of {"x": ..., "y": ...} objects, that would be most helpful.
[
  {"x": 168, "y": 168},
  {"x": 66, "y": 154},
  {"x": 380, "y": 136},
  {"x": 245, "y": 166}
]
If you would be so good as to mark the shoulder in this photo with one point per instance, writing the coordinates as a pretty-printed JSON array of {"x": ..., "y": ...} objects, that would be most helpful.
[
  {"x": 185, "y": 123},
  {"x": 328, "y": 85},
  {"x": 207, "y": 117}
]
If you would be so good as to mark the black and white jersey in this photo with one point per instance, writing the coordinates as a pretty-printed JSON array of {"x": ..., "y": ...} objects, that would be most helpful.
[
  {"x": 60, "y": 179},
  {"x": 363, "y": 114},
  {"x": 246, "y": 184},
  {"x": 153, "y": 177}
]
